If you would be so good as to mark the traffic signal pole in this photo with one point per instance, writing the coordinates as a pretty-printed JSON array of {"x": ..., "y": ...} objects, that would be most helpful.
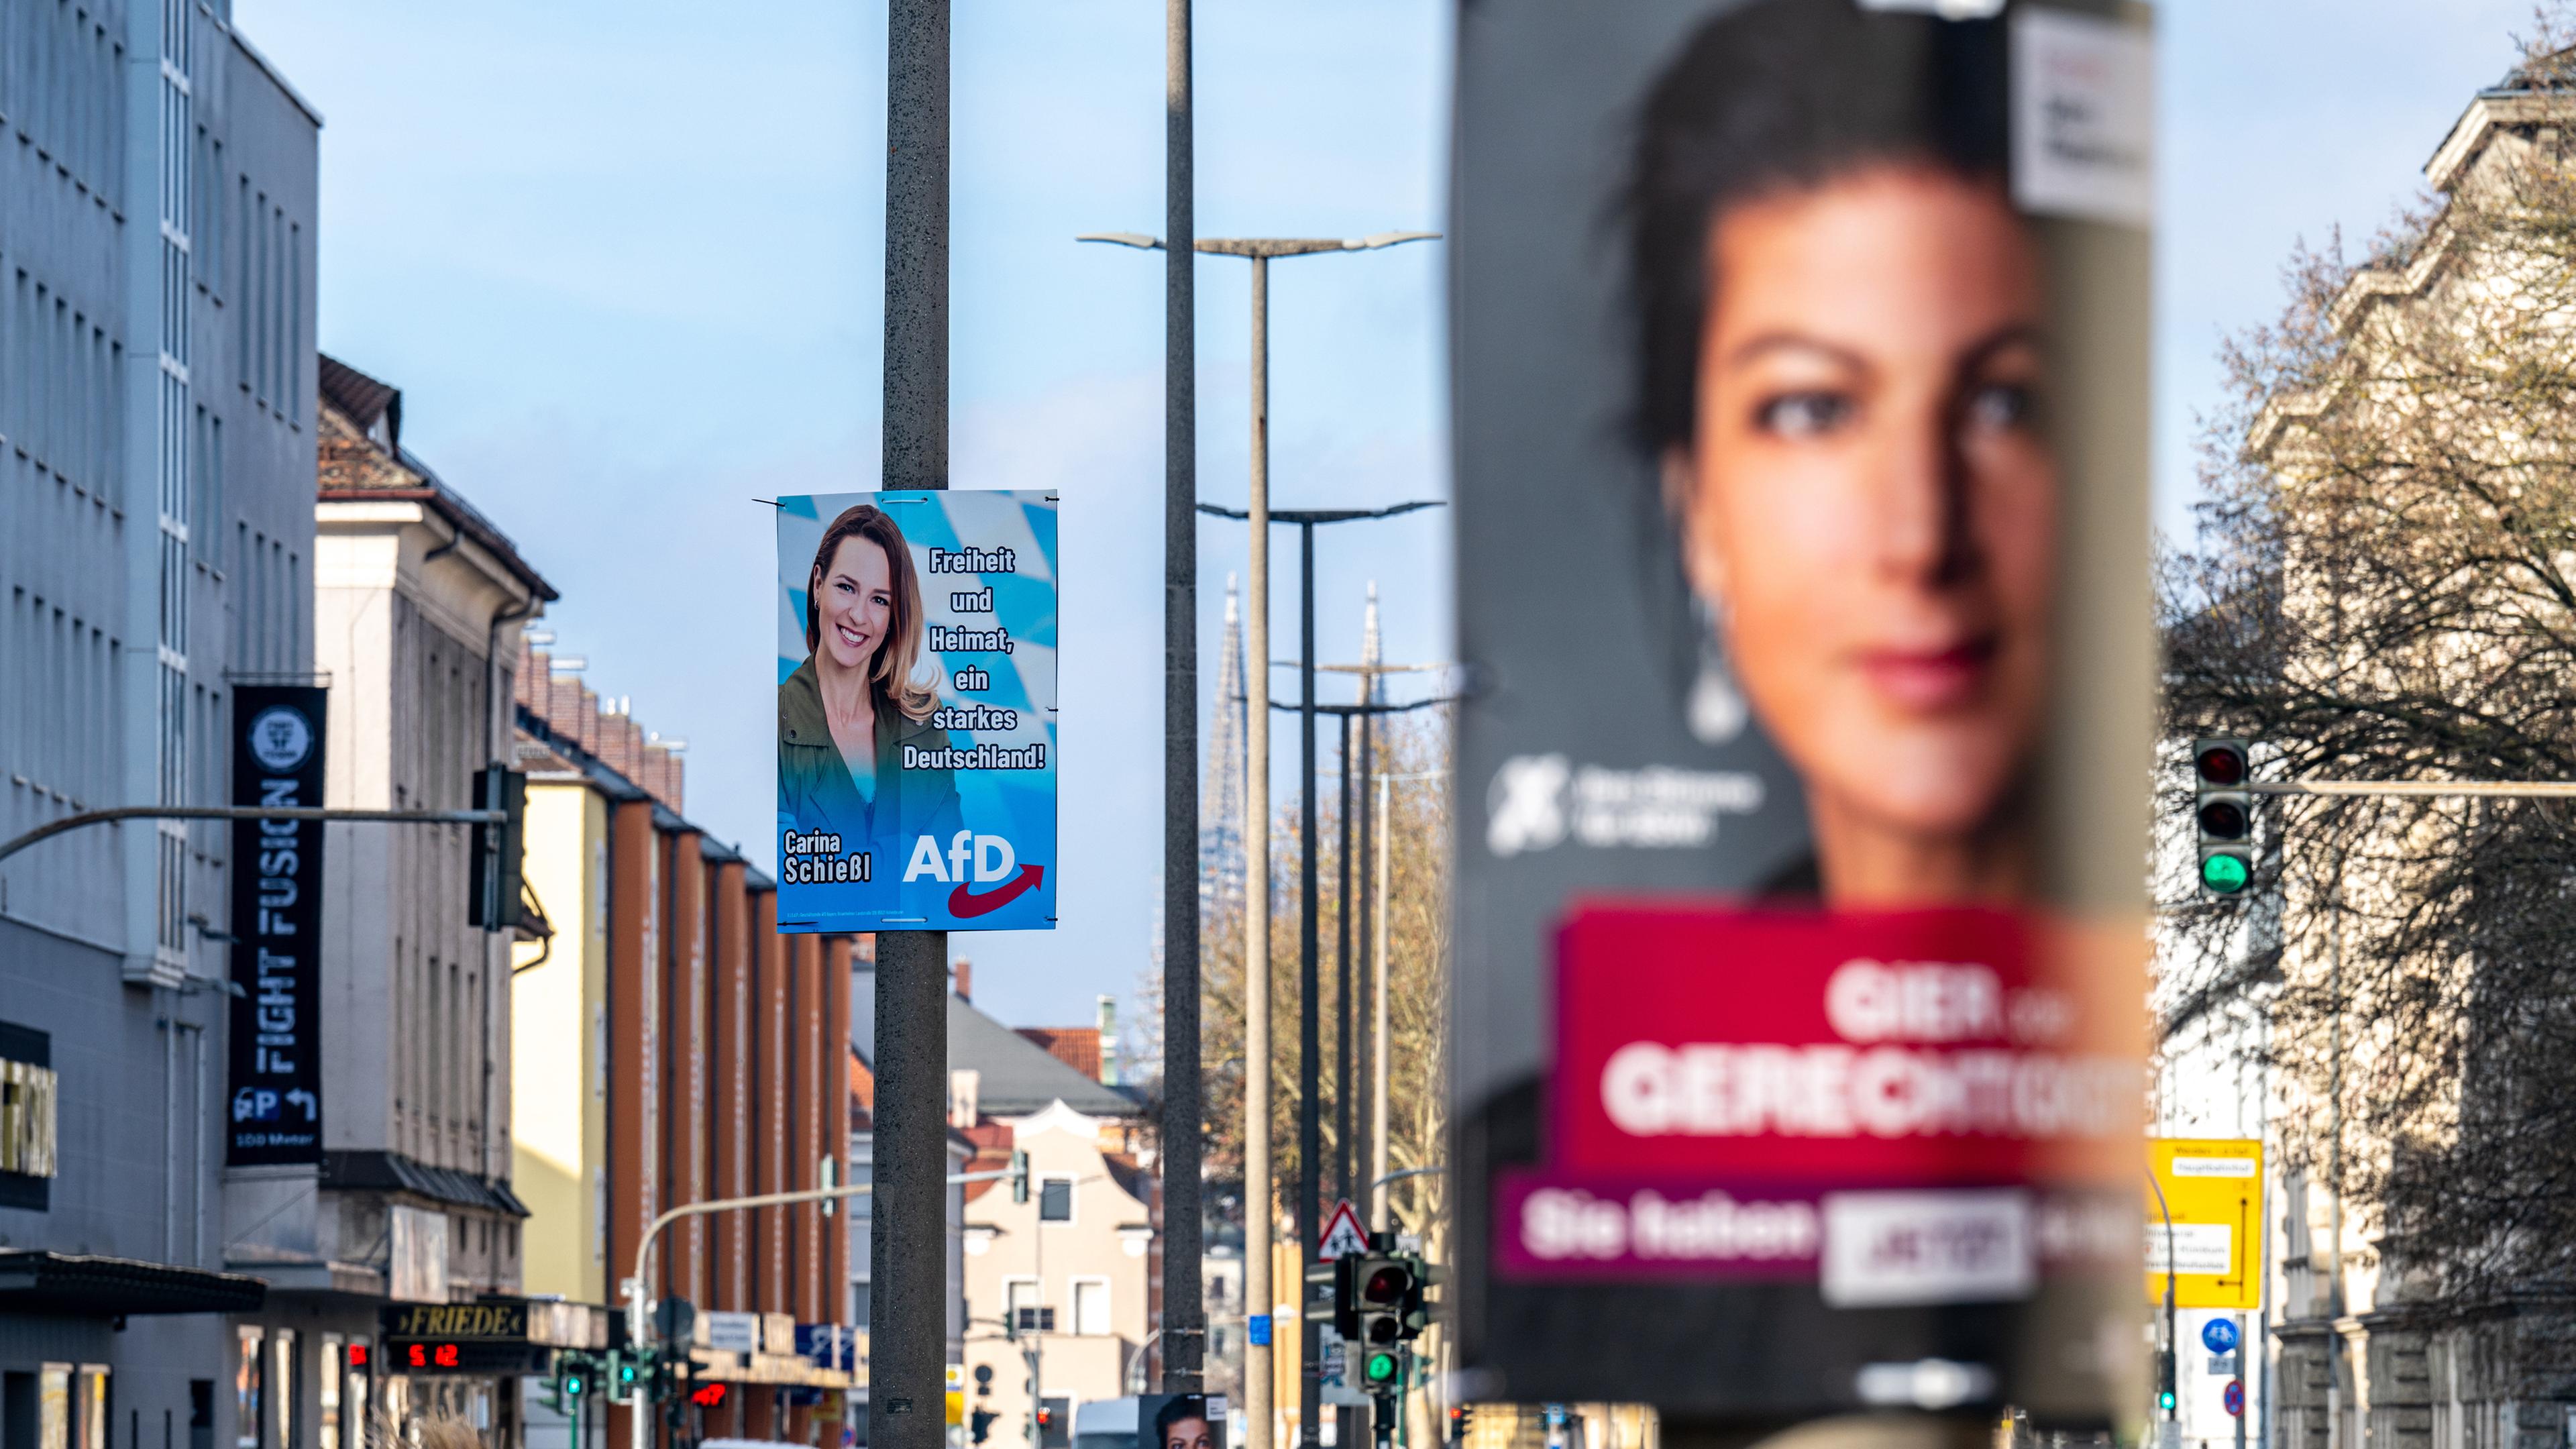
[
  {"x": 52, "y": 828},
  {"x": 639, "y": 1318}
]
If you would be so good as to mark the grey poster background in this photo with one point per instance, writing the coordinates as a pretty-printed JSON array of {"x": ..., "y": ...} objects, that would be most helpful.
[
  {"x": 1572, "y": 615},
  {"x": 1582, "y": 649}
]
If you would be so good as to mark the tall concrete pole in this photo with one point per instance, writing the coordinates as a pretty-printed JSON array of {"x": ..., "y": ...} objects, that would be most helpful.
[
  {"x": 1184, "y": 1311},
  {"x": 1310, "y": 1135},
  {"x": 1259, "y": 1212},
  {"x": 908, "y": 1335},
  {"x": 1378, "y": 1220},
  {"x": 1345, "y": 1151},
  {"x": 1370, "y": 902}
]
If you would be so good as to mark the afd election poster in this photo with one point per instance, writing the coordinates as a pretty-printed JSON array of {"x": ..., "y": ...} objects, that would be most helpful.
[
  {"x": 917, "y": 711},
  {"x": 1800, "y": 372}
]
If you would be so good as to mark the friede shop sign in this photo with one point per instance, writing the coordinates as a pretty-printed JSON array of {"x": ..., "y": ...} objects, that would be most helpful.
[
  {"x": 275, "y": 1104},
  {"x": 1800, "y": 435}
]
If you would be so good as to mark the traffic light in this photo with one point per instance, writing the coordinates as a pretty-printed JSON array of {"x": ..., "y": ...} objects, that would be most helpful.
[
  {"x": 1019, "y": 1176},
  {"x": 2165, "y": 1381},
  {"x": 1417, "y": 1299},
  {"x": 1462, "y": 1419},
  {"x": 495, "y": 849},
  {"x": 1380, "y": 1288},
  {"x": 2223, "y": 813},
  {"x": 574, "y": 1376},
  {"x": 621, "y": 1377}
]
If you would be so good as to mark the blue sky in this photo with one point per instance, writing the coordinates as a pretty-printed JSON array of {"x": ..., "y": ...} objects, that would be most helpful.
[{"x": 623, "y": 260}]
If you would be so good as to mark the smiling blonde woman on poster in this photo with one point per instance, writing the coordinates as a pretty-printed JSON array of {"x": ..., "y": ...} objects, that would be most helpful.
[{"x": 846, "y": 713}]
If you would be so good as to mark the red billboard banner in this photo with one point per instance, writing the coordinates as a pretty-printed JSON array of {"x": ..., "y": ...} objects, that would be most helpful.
[
  {"x": 1901, "y": 1107},
  {"x": 1918, "y": 1047}
]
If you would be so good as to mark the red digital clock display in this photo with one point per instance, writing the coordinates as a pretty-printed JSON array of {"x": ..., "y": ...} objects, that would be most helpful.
[{"x": 433, "y": 1355}]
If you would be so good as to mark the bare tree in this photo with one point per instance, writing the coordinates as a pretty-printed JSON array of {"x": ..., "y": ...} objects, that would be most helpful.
[
  {"x": 1418, "y": 948},
  {"x": 2383, "y": 586}
]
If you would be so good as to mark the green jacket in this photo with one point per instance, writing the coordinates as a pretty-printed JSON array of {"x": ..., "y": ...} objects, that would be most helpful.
[{"x": 815, "y": 791}]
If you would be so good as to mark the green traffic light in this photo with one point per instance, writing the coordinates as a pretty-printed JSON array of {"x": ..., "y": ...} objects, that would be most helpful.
[
  {"x": 574, "y": 1386},
  {"x": 2165, "y": 1400},
  {"x": 1381, "y": 1367},
  {"x": 2225, "y": 874}
]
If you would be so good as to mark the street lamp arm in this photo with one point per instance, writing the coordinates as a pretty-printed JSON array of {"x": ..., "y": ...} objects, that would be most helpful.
[
  {"x": 1287, "y": 707},
  {"x": 1408, "y": 1172},
  {"x": 1325, "y": 515},
  {"x": 1265, "y": 246},
  {"x": 1375, "y": 240},
  {"x": 52, "y": 828}
]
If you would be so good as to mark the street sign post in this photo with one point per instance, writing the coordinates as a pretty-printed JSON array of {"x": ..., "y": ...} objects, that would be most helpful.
[{"x": 2213, "y": 1190}]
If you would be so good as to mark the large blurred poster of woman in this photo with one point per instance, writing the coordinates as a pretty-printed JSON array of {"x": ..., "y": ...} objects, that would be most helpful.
[
  {"x": 916, "y": 711},
  {"x": 1800, "y": 356}
]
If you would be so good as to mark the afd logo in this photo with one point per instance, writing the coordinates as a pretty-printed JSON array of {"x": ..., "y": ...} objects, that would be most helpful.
[{"x": 986, "y": 858}]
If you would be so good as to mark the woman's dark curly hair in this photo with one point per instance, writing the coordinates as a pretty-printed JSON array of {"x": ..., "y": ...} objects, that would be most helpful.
[
  {"x": 1780, "y": 95},
  {"x": 1182, "y": 1406}
]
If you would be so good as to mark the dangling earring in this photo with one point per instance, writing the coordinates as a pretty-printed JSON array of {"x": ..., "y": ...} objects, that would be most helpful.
[{"x": 1716, "y": 711}]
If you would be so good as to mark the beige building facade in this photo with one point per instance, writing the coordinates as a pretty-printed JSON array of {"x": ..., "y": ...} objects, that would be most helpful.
[{"x": 1058, "y": 1287}]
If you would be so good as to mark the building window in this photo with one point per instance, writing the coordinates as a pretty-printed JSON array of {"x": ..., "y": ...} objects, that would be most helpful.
[
  {"x": 246, "y": 1391},
  {"x": 93, "y": 1406},
  {"x": 1091, "y": 1306},
  {"x": 326, "y": 1425},
  {"x": 282, "y": 1387},
  {"x": 1022, "y": 1308},
  {"x": 54, "y": 1406},
  {"x": 1055, "y": 1199}
]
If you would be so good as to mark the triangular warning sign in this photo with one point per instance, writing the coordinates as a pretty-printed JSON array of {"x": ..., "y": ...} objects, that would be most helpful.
[{"x": 1343, "y": 1234}]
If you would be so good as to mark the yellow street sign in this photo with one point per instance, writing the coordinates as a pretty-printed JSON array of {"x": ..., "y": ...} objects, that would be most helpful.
[{"x": 2205, "y": 1221}]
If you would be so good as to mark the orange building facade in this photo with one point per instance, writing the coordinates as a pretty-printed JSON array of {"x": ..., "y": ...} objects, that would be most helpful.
[{"x": 725, "y": 1071}]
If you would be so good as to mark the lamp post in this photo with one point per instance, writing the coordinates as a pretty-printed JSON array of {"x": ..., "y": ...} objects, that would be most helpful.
[
  {"x": 908, "y": 1365},
  {"x": 1259, "y": 1297},
  {"x": 1309, "y": 1045}
]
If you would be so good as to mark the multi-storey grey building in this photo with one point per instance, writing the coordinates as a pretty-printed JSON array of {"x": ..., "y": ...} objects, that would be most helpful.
[{"x": 157, "y": 245}]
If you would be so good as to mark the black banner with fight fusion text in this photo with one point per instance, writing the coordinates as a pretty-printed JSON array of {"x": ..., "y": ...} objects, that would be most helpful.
[{"x": 275, "y": 1114}]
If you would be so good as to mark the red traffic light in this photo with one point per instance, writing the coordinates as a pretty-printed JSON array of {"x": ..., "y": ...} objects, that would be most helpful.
[
  {"x": 1387, "y": 1284},
  {"x": 2221, "y": 764}
]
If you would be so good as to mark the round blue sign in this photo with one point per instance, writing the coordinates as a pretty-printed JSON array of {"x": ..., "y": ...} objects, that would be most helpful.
[
  {"x": 2219, "y": 1334},
  {"x": 2233, "y": 1397}
]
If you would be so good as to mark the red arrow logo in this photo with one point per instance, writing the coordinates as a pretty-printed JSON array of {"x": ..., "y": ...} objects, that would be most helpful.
[{"x": 964, "y": 903}]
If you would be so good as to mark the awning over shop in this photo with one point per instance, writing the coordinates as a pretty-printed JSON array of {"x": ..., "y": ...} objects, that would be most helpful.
[
  {"x": 33, "y": 1282},
  {"x": 393, "y": 1172}
]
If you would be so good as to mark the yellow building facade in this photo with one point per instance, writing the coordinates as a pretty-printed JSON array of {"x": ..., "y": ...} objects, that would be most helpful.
[{"x": 559, "y": 1038}]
